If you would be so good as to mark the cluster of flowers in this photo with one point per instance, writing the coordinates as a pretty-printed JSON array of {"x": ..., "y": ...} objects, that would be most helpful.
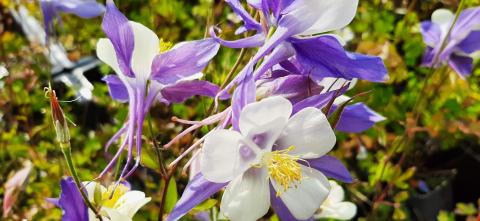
[{"x": 269, "y": 148}]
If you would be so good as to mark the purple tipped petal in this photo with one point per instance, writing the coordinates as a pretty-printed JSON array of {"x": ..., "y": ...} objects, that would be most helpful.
[
  {"x": 428, "y": 56},
  {"x": 471, "y": 43},
  {"x": 183, "y": 60},
  {"x": 198, "y": 190},
  {"x": 318, "y": 101},
  {"x": 431, "y": 33},
  {"x": 179, "y": 92},
  {"x": 71, "y": 202},
  {"x": 331, "y": 167},
  {"x": 280, "y": 208},
  {"x": 324, "y": 56},
  {"x": 116, "y": 88},
  {"x": 117, "y": 28},
  {"x": 357, "y": 118},
  {"x": 281, "y": 53},
  {"x": 461, "y": 64}
]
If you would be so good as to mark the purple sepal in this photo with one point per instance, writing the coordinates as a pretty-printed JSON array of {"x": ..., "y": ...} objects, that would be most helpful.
[
  {"x": 463, "y": 65},
  {"x": 183, "y": 60},
  {"x": 181, "y": 91},
  {"x": 117, "y": 28},
  {"x": 248, "y": 42},
  {"x": 116, "y": 88},
  {"x": 330, "y": 167},
  {"x": 81, "y": 8},
  {"x": 249, "y": 22},
  {"x": 357, "y": 118},
  {"x": 431, "y": 33},
  {"x": 318, "y": 101},
  {"x": 471, "y": 43},
  {"x": 70, "y": 201},
  {"x": 324, "y": 56},
  {"x": 280, "y": 209},
  {"x": 198, "y": 190},
  {"x": 293, "y": 87}
]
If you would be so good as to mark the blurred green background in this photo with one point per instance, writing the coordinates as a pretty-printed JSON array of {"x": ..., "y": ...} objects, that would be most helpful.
[{"x": 446, "y": 140}]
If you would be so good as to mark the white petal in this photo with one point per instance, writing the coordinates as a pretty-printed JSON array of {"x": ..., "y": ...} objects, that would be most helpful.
[
  {"x": 225, "y": 156},
  {"x": 147, "y": 46},
  {"x": 305, "y": 198},
  {"x": 130, "y": 202},
  {"x": 106, "y": 53},
  {"x": 115, "y": 215},
  {"x": 444, "y": 18},
  {"x": 331, "y": 14},
  {"x": 341, "y": 211},
  {"x": 331, "y": 83},
  {"x": 90, "y": 188},
  {"x": 310, "y": 132},
  {"x": 247, "y": 198},
  {"x": 265, "y": 118},
  {"x": 337, "y": 194}
]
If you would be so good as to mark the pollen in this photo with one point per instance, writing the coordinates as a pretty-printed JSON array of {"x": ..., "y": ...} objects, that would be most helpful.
[
  {"x": 113, "y": 193},
  {"x": 283, "y": 168}
]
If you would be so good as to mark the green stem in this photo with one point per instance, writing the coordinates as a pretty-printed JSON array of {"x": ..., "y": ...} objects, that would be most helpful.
[{"x": 67, "y": 153}]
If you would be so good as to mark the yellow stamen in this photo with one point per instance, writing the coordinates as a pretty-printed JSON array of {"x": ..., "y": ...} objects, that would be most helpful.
[
  {"x": 110, "y": 199},
  {"x": 283, "y": 168},
  {"x": 165, "y": 45}
]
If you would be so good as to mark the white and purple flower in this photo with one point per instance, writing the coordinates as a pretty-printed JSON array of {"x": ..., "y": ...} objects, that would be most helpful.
[
  {"x": 454, "y": 47},
  {"x": 145, "y": 75},
  {"x": 274, "y": 159},
  {"x": 334, "y": 207}
]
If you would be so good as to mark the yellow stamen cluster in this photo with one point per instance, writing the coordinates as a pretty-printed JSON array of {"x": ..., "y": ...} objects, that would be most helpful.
[
  {"x": 283, "y": 168},
  {"x": 165, "y": 45},
  {"x": 111, "y": 196}
]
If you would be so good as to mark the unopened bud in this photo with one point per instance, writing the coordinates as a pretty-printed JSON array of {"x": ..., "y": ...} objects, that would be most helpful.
[{"x": 59, "y": 120}]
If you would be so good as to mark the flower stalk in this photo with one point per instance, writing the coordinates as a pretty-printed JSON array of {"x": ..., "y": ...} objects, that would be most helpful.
[{"x": 63, "y": 138}]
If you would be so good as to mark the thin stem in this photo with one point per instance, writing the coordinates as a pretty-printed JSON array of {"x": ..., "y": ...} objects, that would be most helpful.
[{"x": 67, "y": 153}]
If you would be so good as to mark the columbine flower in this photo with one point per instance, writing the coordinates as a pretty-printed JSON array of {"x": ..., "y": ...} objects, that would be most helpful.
[
  {"x": 145, "y": 75},
  {"x": 334, "y": 207},
  {"x": 286, "y": 33},
  {"x": 272, "y": 158},
  {"x": 459, "y": 44},
  {"x": 117, "y": 202},
  {"x": 81, "y": 8}
]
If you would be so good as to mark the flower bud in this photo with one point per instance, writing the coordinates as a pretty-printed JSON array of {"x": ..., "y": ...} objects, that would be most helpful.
[{"x": 59, "y": 120}]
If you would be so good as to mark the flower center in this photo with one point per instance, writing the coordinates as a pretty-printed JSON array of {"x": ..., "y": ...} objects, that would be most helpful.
[
  {"x": 283, "y": 168},
  {"x": 165, "y": 45},
  {"x": 111, "y": 196}
]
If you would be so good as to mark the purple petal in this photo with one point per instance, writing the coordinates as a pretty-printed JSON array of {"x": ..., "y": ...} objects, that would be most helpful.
[
  {"x": 431, "y": 33},
  {"x": 324, "y": 56},
  {"x": 183, "y": 60},
  {"x": 428, "y": 56},
  {"x": 248, "y": 42},
  {"x": 471, "y": 43},
  {"x": 198, "y": 190},
  {"x": 81, "y": 8},
  {"x": 117, "y": 28},
  {"x": 116, "y": 88},
  {"x": 71, "y": 202},
  {"x": 467, "y": 21},
  {"x": 244, "y": 94},
  {"x": 279, "y": 207},
  {"x": 463, "y": 65},
  {"x": 331, "y": 167},
  {"x": 293, "y": 87},
  {"x": 318, "y": 101},
  {"x": 357, "y": 118},
  {"x": 250, "y": 23},
  {"x": 181, "y": 91},
  {"x": 281, "y": 53}
]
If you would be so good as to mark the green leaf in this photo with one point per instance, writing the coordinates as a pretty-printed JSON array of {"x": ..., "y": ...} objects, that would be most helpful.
[
  {"x": 466, "y": 209},
  {"x": 205, "y": 205},
  {"x": 399, "y": 214},
  {"x": 445, "y": 216},
  {"x": 172, "y": 196},
  {"x": 401, "y": 196}
]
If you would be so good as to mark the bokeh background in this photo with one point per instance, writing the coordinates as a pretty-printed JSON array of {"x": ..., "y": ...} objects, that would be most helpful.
[{"x": 439, "y": 169}]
